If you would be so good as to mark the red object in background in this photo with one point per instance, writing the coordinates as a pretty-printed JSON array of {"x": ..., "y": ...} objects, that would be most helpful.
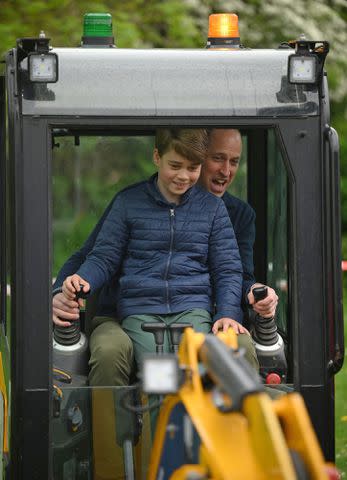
[
  {"x": 344, "y": 265},
  {"x": 332, "y": 472},
  {"x": 273, "y": 379}
]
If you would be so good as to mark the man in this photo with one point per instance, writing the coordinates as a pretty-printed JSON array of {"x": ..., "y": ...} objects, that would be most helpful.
[{"x": 218, "y": 172}]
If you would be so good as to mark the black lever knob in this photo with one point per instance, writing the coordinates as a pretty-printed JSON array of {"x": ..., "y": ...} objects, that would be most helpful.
[
  {"x": 265, "y": 327},
  {"x": 176, "y": 330},
  {"x": 157, "y": 329},
  {"x": 259, "y": 293},
  {"x": 81, "y": 293}
]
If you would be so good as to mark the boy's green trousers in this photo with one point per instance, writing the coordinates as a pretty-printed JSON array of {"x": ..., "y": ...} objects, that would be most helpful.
[{"x": 113, "y": 346}]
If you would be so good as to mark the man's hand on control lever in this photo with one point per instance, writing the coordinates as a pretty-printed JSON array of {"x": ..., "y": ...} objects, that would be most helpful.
[
  {"x": 65, "y": 311},
  {"x": 66, "y": 305},
  {"x": 267, "y": 306}
]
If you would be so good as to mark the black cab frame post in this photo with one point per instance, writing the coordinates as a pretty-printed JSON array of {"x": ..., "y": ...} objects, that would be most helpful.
[
  {"x": 310, "y": 337},
  {"x": 310, "y": 321},
  {"x": 3, "y": 191},
  {"x": 32, "y": 294},
  {"x": 30, "y": 289}
]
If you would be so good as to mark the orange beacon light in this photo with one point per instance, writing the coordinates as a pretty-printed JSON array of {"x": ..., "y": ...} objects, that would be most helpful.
[{"x": 223, "y": 31}]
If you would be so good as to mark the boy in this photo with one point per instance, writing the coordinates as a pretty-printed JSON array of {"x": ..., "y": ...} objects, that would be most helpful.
[{"x": 171, "y": 244}]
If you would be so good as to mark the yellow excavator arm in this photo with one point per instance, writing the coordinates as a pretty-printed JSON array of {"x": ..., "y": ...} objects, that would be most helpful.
[{"x": 243, "y": 433}]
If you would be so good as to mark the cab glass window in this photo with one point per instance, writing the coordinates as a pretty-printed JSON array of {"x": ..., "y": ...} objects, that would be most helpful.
[
  {"x": 277, "y": 231},
  {"x": 88, "y": 171}
]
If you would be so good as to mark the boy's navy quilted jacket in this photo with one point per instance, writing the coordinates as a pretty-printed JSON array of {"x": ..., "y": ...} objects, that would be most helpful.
[{"x": 169, "y": 258}]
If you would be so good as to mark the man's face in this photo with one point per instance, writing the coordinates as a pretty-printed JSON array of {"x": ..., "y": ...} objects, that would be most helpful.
[
  {"x": 222, "y": 162},
  {"x": 175, "y": 174}
]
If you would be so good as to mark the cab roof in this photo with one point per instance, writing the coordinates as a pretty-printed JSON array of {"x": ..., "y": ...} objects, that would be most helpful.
[{"x": 167, "y": 82}]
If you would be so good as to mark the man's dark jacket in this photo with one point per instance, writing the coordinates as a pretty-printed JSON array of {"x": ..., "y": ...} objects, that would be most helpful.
[
  {"x": 241, "y": 215},
  {"x": 169, "y": 258}
]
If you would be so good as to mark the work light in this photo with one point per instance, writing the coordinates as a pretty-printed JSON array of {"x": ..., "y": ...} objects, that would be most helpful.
[
  {"x": 43, "y": 67},
  {"x": 302, "y": 68},
  {"x": 160, "y": 374}
]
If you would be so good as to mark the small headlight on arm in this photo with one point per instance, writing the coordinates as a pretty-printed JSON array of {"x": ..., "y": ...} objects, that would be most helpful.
[{"x": 160, "y": 374}]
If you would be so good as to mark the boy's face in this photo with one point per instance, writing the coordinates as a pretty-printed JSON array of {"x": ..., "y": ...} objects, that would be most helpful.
[{"x": 175, "y": 174}]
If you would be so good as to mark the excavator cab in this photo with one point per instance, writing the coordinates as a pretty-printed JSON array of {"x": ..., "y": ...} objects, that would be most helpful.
[{"x": 76, "y": 126}]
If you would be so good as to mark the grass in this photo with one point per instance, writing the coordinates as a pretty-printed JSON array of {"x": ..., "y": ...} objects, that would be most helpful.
[{"x": 341, "y": 411}]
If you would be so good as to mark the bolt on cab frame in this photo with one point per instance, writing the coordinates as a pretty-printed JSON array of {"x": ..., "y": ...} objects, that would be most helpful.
[{"x": 292, "y": 180}]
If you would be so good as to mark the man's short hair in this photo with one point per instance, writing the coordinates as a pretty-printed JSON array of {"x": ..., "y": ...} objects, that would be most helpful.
[
  {"x": 190, "y": 143},
  {"x": 211, "y": 130}
]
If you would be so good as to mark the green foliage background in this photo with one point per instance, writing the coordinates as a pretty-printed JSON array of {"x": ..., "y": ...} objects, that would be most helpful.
[
  {"x": 85, "y": 178},
  {"x": 184, "y": 23}
]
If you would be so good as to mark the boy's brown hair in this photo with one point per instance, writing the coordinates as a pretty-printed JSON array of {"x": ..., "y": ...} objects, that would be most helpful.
[{"x": 190, "y": 143}]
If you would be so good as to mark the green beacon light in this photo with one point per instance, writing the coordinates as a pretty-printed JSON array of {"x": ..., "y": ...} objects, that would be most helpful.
[{"x": 97, "y": 30}]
